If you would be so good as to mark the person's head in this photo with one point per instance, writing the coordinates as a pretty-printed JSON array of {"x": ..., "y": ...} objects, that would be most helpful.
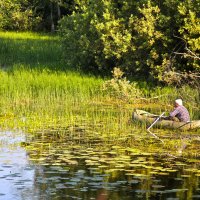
[{"x": 178, "y": 102}]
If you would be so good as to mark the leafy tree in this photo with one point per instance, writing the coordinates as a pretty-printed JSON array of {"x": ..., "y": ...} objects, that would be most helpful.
[
  {"x": 79, "y": 39},
  {"x": 16, "y": 15},
  {"x": 50, "y": 12},
  {"x": 33, "y": 14},
  {"x": 115, "y": 36},
  {"x": 181, "y": 29},
  {"x": 158, "y": 39},
  {"x": 190, "y": 32},
  {"x": 147, "y": 38}
]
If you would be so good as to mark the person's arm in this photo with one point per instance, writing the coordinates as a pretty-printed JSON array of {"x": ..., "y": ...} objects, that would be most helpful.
[{"x": 174, "y": 112}]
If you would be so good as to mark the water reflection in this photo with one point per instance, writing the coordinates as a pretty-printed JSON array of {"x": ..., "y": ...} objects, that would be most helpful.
[
  {"x": 70, "y": 168},
  {"x": 16, "y": 175},
  {"x": 78, "y": 169}
]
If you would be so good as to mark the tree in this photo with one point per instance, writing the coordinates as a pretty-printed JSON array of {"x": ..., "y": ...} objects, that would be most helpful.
[
  {"x": 183, "y": 61},
  {"x": 17, "y": 15},
  {"x": 33, "y": 14},
  {"x": 140, "y": 37}
]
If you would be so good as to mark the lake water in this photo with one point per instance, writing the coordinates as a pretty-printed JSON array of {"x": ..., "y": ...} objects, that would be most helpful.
[{"x": 35, "y": 167}]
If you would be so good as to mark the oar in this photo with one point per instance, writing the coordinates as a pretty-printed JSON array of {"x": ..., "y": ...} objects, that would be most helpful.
[
  {"x": 153, "y": 124},
  {"x": 156, "y": 120}
]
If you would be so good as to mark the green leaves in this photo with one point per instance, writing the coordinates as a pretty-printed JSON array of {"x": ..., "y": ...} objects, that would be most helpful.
[
  {"x": 138, "y": 37},
  {"x": 120, "y": 88},
  {"x": 190, "y": 32}
]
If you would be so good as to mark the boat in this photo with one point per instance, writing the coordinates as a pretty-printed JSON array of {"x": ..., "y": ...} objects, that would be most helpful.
[{"x": 149, "y": 118}]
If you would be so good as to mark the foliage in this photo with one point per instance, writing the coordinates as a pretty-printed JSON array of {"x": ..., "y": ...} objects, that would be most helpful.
[
  {"x": 79, "y": 44},
  {"x": 33, "y": 14},
  {"x": 190, "y": 30},
  {"x": 16, "y": 15},
  {"x": 119, "y": 87},
  {"x": 150, "y": 39},
  {"x": 142, "y": 38}
]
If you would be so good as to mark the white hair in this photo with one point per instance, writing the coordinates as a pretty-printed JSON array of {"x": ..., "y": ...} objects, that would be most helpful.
[{"x": 179, "y": 102}]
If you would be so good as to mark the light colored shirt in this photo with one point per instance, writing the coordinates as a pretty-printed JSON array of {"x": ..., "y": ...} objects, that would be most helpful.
[{"x": 181, "y": 113}]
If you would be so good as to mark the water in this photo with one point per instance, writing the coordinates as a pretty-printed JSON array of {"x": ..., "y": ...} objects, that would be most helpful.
[
  {"x": 16, "y": 174},
  {"x": 37, "y": 167}
]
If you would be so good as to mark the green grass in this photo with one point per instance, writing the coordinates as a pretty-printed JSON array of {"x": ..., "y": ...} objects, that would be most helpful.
[
  {"x": 35, "y": 83},
  {"x": 31, "y": 50}
]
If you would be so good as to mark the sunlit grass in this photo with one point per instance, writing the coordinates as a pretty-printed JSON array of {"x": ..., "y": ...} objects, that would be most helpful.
[
  {"x": 36, "y": 86},
  {"x": 30, "y": 50},
  {"x": 26, "y": 36}
]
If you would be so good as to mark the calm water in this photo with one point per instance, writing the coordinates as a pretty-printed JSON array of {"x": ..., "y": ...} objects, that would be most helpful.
[
  {"x": 16, "y": 174},
  {"x": 34, "y": 167}
]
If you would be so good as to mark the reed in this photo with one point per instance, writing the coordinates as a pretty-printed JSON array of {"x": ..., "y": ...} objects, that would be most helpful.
[{"x": 38, "y": 90}]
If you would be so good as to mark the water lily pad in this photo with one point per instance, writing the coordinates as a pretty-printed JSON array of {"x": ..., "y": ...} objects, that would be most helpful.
[
  {"x": 85, "y": 189},
  {"x": 141, "y": 191},
  {"x": 112, "y": 152},
  {"x": 163, "y": 173},
  {"x": 7, "y": 166},
  {"x": 134, "y": 182},
  {"x": 191, "y": 170},
  {"x": 171, "y": 170},
  {"x": 178, "y": 179},
  {"x": 158, "y": 191},
  {"x": 197, "y": 174},
  {"x": 158, "y": 186},
  {"x": 175, "y": 190},
  {"x": 185, "y": 176},
  {"x": 72, "y": 183},
  {"x": 139, "y": 175},
  {"x": 102, "y": 166},
  {"x": 60, "y": 186}
]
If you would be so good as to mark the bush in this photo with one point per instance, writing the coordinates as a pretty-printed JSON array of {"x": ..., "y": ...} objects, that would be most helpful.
[
  {"x": 141, "y": 37},
  {"x": 119, "y": 87},
  {"x": 15, "y": 17}
]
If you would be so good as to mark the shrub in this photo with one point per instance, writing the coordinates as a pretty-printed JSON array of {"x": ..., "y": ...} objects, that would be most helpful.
[{"x": 119, "y": 87}]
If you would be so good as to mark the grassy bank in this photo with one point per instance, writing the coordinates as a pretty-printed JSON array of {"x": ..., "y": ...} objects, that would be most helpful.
[
  {"x": 35, "y": 83},
  {"x": 38, "y": 96},
  {"x": 31, "y": 50}
]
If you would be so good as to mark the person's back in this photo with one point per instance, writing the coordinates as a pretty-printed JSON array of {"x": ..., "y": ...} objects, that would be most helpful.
[{"x": 180, "y": 112}]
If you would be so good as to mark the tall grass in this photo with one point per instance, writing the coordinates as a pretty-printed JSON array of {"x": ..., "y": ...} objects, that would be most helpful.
[
  {"x": 45, "y": 88},
  {"x": 35, "y": 84},
  {"x": 34, "y": 80}
]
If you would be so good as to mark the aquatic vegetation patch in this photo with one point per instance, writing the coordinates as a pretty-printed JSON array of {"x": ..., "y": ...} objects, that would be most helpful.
[{"x": 80, "y": 137}]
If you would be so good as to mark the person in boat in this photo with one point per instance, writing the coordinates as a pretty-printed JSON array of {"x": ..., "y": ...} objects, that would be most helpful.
[{"x": 180, "y": 112}]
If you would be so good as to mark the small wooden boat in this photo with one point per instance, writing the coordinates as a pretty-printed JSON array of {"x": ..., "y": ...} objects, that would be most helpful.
[{"x": 143, "y": 116}]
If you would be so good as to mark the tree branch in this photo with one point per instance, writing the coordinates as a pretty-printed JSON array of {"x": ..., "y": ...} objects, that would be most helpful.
[{"x": 190, "y": 54}]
